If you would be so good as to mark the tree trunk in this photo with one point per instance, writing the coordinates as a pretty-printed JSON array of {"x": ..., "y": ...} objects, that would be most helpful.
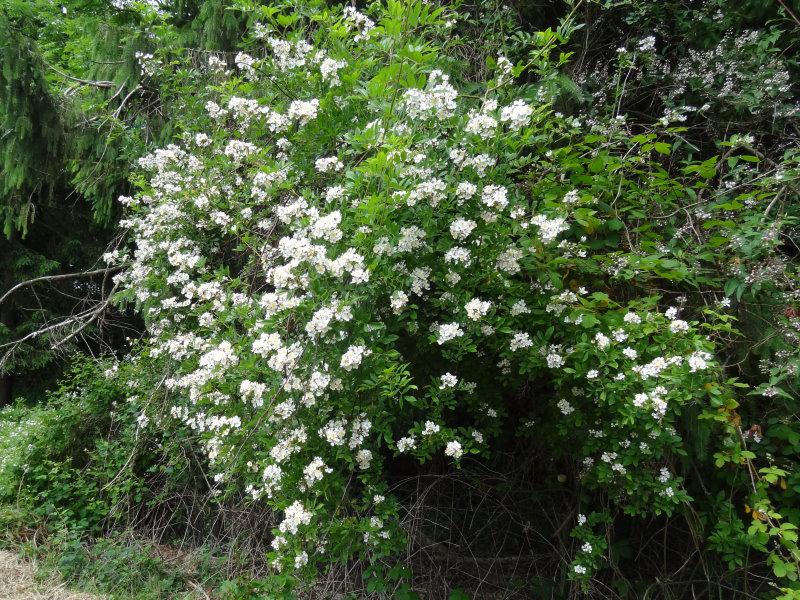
[{"x": 7, "y": 318}]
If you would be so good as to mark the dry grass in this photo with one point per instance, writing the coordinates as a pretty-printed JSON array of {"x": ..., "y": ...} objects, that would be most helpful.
[{"x": 18, "y": 582}]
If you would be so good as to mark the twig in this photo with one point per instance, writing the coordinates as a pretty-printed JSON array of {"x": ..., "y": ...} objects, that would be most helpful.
[
  {"x": 788, "y": 10},
  {"x": 774, "y": 200},
  {"x": 91, "y": 314},
  {"x": 86, "y": 323},
  {"x": 57, "y": 278},
  {"x": 124, "y": 101}
]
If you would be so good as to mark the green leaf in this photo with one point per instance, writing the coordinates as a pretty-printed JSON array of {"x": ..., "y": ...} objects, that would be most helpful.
[
  {"x": 598, "y": 164},
  {"x": 662, "y": 148}
]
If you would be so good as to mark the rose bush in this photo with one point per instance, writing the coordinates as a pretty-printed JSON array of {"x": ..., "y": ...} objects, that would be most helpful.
[{"x": 346, "y": 259}]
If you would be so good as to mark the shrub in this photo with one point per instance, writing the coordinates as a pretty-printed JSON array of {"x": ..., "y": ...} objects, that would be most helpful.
[{"x": 346, "y": 260}]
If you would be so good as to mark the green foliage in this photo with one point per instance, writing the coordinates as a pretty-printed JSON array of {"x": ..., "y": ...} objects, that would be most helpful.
[
  {"x": 32, "y": 133},
  {"x": 58, "y": 463}
]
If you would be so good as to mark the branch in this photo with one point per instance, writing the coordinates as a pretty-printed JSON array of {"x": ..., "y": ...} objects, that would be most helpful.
[
  {"x": 97, "y": 312},
  {"x": 119, "y": 91},
  {"x": 774, "y": 200},
  {"x": 100, "y": 84},
  {"x": 124, "y": 101},
  {"x": 39, "y": 332},
  {"x": 788, "y": 10},
  {"x": 89, "y": 316},
  {"x": 23, "y": 284}
]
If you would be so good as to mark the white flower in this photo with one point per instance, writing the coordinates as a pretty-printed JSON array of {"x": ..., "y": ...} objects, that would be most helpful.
[
  {"x": 678, "y": 326},
  {"x": 458, "y": 256},
  {"x": 466, "y": 190},
  {"x": 410, "y": 239},
  {"x": 214, "y": 110},
  {"x": 398, "y": 300},
  {"x": 437, "y": 100},
  {"x": 601, "y": 340},
  {"x": 294, "y": 516},
  {"x": 517, "y": 115},
  {"x": 504, "y": 69},
  {"x": 405, "y": 444},
  {"x": 315, "y": 470},
  {"x": 477, "y": 308},
  {"x": 237, "y": 150},
  {"x": 647, "y": 44},
  {"x": 632, "y": 317},
  {"x": 461, "y": 228},
  {"x": 327, "y": 227},
  {"x": 554, "y": 360},
  {"x": 447, "y": 332},
  {"x": 329, "y": 69},
  {"x": 571, "y": 197},
  {"x": 320, "y": 322},
  {"x": 653, "y": 368},
  {"x": 334, "y": 432},
  {"x": 519, "y": 308},
  {"x": 430, "y": 428},
  {"x": 549, "y": 228},
  {"x": 448, "y": 381},
  {"x": 364, "y": 458},
  {"x": 630, "y": 353},
  {"x": 520, "y": 340},
  {"x": 253, "y": 392},
  {"x": 303, "y": 111},
  {"x": 592, "y": 374},
  {"x": 202, "y": 140},
  {"x": 353, "y": 357},
  {"x": 495, "y": 196},
  {"x": 244, "y": 61},
  {"x": 481, "y": 124},
  {"x": 454, "y": 449},
  {"x": 698, "y": 361},
  {"x": 359, "y": 22},
  {"x": 565, "y": 407},
  {"x": 329, "y": 163},
  {"x": 664, "y": 475},
  {"x": 508, "y": 260},
  {"x": 361, "y": 428}
]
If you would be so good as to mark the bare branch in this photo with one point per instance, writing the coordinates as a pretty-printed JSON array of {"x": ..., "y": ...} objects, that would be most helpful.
[
  {"x": 97, "y": 312},
  {"x": 36, "y": 280},
  {"x": 124, "y": 101},
  {"x": 85, "y": 318}
]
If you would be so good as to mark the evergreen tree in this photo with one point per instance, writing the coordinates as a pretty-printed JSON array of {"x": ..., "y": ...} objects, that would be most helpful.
[{"x": 78, "y": 104}]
